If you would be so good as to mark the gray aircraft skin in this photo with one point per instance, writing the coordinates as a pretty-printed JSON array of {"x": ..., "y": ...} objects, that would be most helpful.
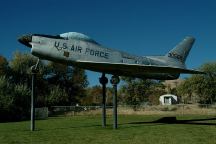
[{"x": 79, "y": 50}]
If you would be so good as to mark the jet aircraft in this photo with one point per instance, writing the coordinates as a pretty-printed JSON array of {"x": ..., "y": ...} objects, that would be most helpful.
[{"x": 79, "y": 50}]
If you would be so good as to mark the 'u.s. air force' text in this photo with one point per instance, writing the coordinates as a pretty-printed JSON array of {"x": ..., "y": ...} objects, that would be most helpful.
[{"x": 78, "y": 49}]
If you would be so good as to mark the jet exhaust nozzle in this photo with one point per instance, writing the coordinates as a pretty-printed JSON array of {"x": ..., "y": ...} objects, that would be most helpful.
[{"x": 26, "y": 39}]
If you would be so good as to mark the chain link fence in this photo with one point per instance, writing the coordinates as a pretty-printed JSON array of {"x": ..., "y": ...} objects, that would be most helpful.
[{"x": 179, "y": 109}]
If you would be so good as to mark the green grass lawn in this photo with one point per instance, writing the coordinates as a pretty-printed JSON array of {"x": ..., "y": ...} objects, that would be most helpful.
[{"x": 133, "y": 129}]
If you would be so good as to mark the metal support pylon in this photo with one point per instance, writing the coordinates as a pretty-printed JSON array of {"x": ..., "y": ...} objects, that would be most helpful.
[
  {"x": 114, "y": 81},
  {"x": 103, "y": 80},
  {"x": 34, "y": 70}
]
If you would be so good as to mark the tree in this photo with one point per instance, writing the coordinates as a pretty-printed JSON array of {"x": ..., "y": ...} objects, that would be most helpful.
[
  {"x": 3, "y": 66},
  {"x": 14, "y": 100},
  {"x": 72, "y": 79},
  {"x": 57, "y": 96},
  {"x": 20, "y": 67},
  {"x": 80, "y": 82},
  {"x": 186, "y": 90},
  {"x": 93, "y": 96},
  {"x": 155, "y": 91},
  {"x": 5, "y": 93},
  {"x": 202, "y": 86},
  {"x": 21, "y": 99},
  {"x": 17, "y": 83},
  {"x": 6, "y": 99},
  {"x": 137, "y": 91},
  {"x": 57, "y": 84}
]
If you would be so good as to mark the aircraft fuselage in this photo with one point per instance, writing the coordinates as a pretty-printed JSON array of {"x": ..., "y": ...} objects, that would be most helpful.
[
  {"x": 79, "y": 50},
  {"x": 73, "y": 52}
]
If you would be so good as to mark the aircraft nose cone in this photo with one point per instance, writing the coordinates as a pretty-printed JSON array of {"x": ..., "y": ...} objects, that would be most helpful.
[{"x": 25, "y": 39}]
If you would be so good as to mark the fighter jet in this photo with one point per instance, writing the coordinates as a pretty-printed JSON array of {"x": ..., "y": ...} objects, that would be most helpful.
[{"x": 79, "y": 50}]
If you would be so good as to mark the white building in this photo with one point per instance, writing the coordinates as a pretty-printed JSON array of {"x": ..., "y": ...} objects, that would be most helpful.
[{"x": 168, "y": 99}]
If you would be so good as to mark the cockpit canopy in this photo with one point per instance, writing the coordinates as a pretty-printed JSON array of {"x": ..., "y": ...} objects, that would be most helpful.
[
  {"x": 70, "y": 35},
  {"x": 78, "y": 36}
]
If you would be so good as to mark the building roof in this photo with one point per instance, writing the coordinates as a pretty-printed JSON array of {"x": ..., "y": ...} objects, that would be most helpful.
[{"x": 168, "y": 95}]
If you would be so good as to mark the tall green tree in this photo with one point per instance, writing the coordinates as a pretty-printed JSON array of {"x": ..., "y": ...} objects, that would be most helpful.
[
  {"x": 14, "y": 100},
  {"x": 57, "y": 96},
  {"x": 6, "y": 89},
  {"x": 93, "y": 96},
  {"x": 21, "y": 99},
  {"x": 20, "y": 67},
  {"x": 65, "y": 85},
  {"x": 3, "y": 66},
  {"x": 80, "y": 82},
  {"x": 72, "y": 79},
  {"x": 201, "y": 86},
  {"x": 137, "y": 91},
  {"x": 6, "y": 99}
]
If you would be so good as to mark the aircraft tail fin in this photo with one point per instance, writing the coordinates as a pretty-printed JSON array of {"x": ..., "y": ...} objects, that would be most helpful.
[{"x": 181, "y": 50}]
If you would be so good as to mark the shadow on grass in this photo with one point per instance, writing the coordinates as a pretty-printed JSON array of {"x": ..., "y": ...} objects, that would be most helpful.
[
  {"x": 173, "y": 120},
  {"x": 161, "y": 121}
]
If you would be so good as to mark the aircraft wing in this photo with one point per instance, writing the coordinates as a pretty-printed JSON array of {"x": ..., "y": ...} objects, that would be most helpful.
[{"x": 134, "y": 68}]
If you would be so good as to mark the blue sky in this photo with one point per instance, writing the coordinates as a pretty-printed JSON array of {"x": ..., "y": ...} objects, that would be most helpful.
[{"x": 141, "y": 27}]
